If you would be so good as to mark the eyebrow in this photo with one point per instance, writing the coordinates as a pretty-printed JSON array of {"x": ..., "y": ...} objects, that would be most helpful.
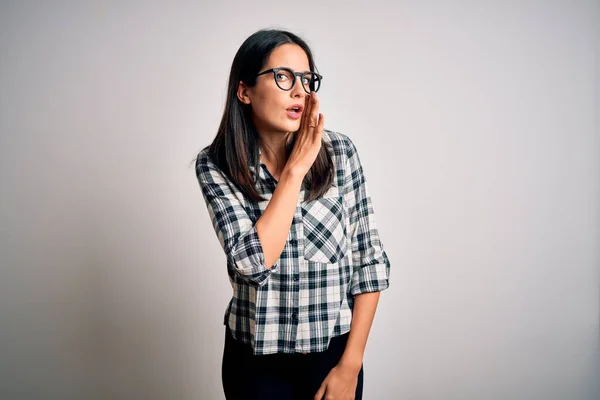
[{"x": 293, "y": 69}]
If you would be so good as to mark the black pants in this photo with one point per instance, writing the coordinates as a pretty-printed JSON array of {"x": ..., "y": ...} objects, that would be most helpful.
[{"x": 278, "y": 376}]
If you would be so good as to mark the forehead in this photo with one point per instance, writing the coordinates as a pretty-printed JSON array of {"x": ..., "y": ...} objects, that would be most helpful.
[{"x": 288, "y": 55}]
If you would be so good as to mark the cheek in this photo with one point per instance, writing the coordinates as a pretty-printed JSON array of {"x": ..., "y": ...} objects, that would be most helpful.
[{"x": 267, "y": 109}]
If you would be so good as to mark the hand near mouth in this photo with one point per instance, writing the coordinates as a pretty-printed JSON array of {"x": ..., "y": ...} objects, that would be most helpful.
[{"x": 308, "y": 141}]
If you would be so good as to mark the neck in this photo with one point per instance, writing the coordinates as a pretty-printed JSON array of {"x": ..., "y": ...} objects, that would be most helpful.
[{"x": 273, "y": 149}]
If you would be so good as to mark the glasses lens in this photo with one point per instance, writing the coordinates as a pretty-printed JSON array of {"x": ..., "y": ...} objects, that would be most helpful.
[
  {"x": 284, "y": 78},
  {"x": 311, "y": 82}
]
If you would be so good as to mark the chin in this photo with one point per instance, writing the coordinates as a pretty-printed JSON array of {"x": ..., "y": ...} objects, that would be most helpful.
[
  {"x": 293, "y": 127},
  {"x": 287, "y": 126}
]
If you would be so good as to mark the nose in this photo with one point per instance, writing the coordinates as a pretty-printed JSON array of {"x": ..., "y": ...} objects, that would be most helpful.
[{"x": 298, "y": 90}]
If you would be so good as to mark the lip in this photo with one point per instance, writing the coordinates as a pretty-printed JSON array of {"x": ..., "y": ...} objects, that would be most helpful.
[
  {"x": 295, "y": 114},
  {"x": 300, "y": 107}
]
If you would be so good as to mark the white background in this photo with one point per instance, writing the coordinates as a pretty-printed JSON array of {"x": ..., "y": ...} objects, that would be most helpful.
[{"x": 477, "y": 125}]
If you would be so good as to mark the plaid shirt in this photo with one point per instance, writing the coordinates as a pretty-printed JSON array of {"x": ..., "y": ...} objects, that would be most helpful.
[{"x": 333, "y": 253}]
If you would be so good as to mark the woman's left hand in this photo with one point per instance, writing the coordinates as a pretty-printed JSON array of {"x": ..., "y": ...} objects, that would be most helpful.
[{"x": 340, "y": 384}]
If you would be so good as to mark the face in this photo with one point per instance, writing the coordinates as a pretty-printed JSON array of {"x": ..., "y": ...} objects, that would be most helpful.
[{"x": 270, "y": 105}]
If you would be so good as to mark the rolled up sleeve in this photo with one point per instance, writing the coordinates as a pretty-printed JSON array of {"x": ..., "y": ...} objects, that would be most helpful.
[
  {"x": 370, "y": 261},
  {"x": 235, "y": 230}
]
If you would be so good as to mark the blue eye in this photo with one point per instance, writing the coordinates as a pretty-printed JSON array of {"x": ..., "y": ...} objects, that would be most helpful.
[{"x": 282, "y": 76}]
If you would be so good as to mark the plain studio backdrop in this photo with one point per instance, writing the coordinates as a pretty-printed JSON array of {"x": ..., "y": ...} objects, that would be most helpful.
[{"x": 477, "y": 125}]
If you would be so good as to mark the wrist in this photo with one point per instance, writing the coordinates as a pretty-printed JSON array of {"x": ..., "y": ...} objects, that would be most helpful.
[
  {"x": 353, "y": 364},
  {"x": 292, "y": 176}
]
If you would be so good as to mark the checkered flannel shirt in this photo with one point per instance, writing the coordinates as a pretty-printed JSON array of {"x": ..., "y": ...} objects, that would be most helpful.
[{"x": 333, "y": 253}]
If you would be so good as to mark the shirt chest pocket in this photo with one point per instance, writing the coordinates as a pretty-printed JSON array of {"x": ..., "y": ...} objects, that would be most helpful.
[{"x": 324, "y": 225}]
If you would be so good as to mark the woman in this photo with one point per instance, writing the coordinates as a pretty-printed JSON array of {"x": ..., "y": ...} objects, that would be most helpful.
[{"x": 289, "y": 204}]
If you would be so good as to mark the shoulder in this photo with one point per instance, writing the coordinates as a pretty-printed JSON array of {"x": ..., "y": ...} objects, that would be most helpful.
[
  {"x": 202, "y": 158},
  {"x": 206, "y": 169},
  {"x": 341, "y": 144},
  {"x": 205, "y": 162}
]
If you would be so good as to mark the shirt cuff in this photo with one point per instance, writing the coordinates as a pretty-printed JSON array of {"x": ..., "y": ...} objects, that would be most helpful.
[
  {"x": 370, "y": 278},
  {"x": 249, "y": 259}
]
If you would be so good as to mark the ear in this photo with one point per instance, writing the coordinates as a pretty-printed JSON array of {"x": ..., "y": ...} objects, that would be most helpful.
[{"x": 243, "y": 93}]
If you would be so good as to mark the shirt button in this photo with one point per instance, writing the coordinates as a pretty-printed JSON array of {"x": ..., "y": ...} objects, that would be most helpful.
[
  {"x": 296, "y": 278},
  {"x": 294, "y": 316}
]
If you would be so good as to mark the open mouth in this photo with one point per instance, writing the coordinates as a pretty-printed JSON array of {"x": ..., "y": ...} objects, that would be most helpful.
[{"x": 294, "y": 112}]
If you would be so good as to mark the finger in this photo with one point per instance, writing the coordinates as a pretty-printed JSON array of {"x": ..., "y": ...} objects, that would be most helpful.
[
  {"x": 321, "y": 123},
  {"x": 314, "y": 110},
  {"x": 318, "y": 131},
  {"x": 320, "y": 393},
  {"x": 304, "y": 122}
]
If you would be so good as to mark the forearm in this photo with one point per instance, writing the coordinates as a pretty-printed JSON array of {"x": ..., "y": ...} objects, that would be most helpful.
[
  {"x": 274, "y": 224},
  {"x": 365, "y": 305}
]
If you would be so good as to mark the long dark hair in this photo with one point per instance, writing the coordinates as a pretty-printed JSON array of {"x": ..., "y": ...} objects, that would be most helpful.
[{"x": 237, "y": 141}]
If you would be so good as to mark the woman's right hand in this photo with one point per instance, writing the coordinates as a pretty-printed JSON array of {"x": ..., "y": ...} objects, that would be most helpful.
[{"x": 308, "y": 141}]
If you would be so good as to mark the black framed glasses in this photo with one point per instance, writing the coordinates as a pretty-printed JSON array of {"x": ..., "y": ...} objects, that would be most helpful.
[{"x": 285, "y": 78}]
